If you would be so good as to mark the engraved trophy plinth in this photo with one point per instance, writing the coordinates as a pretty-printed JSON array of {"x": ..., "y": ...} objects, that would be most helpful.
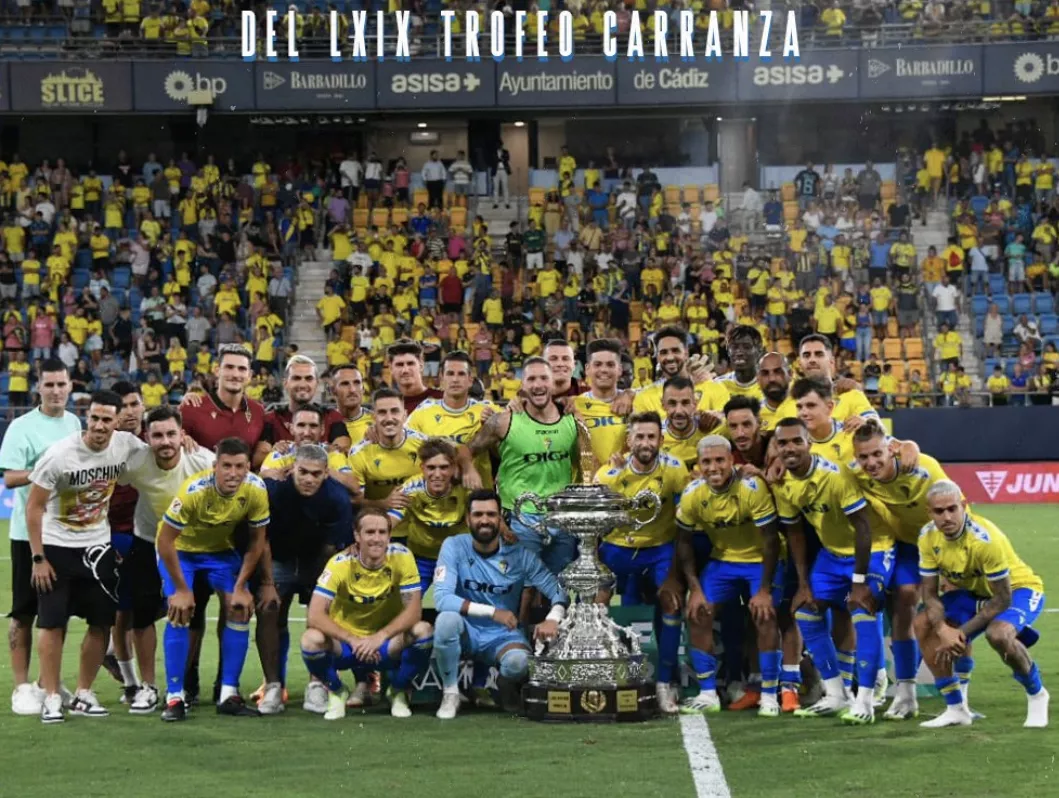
[{"x": 594, "y": 670}]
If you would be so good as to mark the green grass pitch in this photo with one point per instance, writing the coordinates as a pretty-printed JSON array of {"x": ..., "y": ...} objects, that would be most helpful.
[{"x": 480, "y": 754}]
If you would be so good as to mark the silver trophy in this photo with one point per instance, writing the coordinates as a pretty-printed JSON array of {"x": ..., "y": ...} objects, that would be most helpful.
[{"x": 594, "y": 669}]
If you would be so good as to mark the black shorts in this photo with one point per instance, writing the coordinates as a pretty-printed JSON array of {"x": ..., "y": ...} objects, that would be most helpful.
[
  {"x": 23, "y": 594},
  {"x": 140, "y": 577},
  {"x": 86, "y": 585}
]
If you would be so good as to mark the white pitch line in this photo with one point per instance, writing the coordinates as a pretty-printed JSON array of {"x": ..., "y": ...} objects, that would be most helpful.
[{"x": 706, "y": 770}]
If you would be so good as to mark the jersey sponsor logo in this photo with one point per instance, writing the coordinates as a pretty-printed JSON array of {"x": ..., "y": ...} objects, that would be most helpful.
[
  {"x": 485, "y": 587},
  {"x": 812, "y": 507},
  {"x": 545, "y": 457}
]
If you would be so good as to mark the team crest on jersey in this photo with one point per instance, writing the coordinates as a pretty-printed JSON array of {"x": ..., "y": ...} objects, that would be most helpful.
[
  {"x": 437, "y": 418},
  {"x": 377, "y": 462},
  {"x": 176, "y": 506},
  {"x": 937, "y": 549},
  {"x": 698, "y": 396},
  {"x": 242, "y": 501},
  {"x": 547, "y": 442},
  {"x": 502, "y": 566}
]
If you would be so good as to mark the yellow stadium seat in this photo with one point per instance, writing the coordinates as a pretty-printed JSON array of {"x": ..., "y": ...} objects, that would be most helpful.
[
  {"x": 914, "y": 348},
  {"x": 471, "y": 329},
  {"x": 876, "y": 348},
  {"x": 892, "y": 349},
  {"x": 856, "y": 369},
  {"x": 420, "y": 197},
  {"x": 362, "y": 201},
  {"x": 889, "y": 190},
  {"x": 790, "y": 211},
  {"x": 380, "y": 217},
  {"x": 399, "y": 215},
  {"x": 458, "y": 218},
  {"x": 635, "y": 332},
  {"x": 711, "y": 193},
  {"x": 360, "y": 218},
  {"x": 897, "y": 368},
  {"x": 636, "y": 311},
  {"x": 444, "y": 266},
  {"x": 920, "y": 366},
  {"x": 902, "y": 397},
  {"x": 536, "y": 196},
  {"x": 787, "y": 192},
  {"x": 454, "y": 331},
  {"x": 690, "y": 194},
  {"x": 571, "y": 328},
  {"x": 892, "y": 330},
  {"x": 672, "y": 195}
]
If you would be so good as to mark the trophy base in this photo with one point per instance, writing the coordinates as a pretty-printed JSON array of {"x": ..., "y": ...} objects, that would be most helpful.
[{"x": 558, "y": 703}]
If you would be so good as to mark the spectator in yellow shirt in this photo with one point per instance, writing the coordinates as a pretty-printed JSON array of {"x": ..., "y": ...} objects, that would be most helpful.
[
  {"x": 998, "y": 385},
  {"x": 531, "y": 342},
  {"x": 329, "y": 311},
  {"x": 888, "y": 386},
  {"x": 153, "y": 392},
  {"x": 827, "y": 318},
  {"x": 948, "y": 345},
  {"x": 881, "y": 300},
  {"x": 18, "y": 381}
]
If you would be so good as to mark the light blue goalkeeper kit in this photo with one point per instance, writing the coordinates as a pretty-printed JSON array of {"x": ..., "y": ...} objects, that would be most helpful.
[{"x": 497, "y": 580}]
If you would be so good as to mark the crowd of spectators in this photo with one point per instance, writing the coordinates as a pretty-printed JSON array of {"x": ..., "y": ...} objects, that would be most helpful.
[{"x": 200, "y": 27}]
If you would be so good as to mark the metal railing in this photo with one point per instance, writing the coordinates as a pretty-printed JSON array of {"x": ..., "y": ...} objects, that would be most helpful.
[{"x": 74, "y": 44}]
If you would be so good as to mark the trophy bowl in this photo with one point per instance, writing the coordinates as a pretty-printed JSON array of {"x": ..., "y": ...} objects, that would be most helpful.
[{"x": 594, "y": 669}]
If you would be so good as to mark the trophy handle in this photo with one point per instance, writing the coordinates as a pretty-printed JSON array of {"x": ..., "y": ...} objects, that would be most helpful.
[
  {"x": 652, "y": 501},
  {"x": 516, "y": 512}
]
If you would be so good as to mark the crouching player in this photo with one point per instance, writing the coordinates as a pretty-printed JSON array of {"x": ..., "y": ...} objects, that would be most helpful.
[
  {"x": 995, "y": 592},
  {"x": 477, "y": 590},
  {"x": 646, "y": 554},
  {"x": 366, "y": 615},
  {"x": 740, "y": 519}
]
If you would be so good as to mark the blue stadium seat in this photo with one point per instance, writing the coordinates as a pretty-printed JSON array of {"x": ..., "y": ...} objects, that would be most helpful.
[
  {"x": 121, "y": 277},
  {"x": 1049, "y": 324},
  {"x": 998, "y": 284},
  {"x": 980, "y": 305},
  {"x": 1043, "y": 303},
  {"x": 1021, "y": 303},
  {"x": 979, "y": 326},
  {"x": 81, "y": 279},
  {"x": 83, "y": 259},
  {"x": 1003, "y": 303},
  {"x": 119, "y": 294},
  {"x": 4, "y": 379},
  {"x": 1009, "y": 367},
  {"x": 1008, "y": 325}
]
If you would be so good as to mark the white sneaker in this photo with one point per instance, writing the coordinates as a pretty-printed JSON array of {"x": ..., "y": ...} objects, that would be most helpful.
[
  {"x": 399, "y": 704},
  {"x": 826, "y": 707},
  {"x": 705, "y": 702},
  {"x": 51, "y": 710},
  {"x": 336, "y": 704},
  {"x": 67, "y": 696},
  {"x": 450, "y": 705},
  {"x": 882, "y": 684},
  {"x": 27, "y": 699},
  {"x": 272, "y": 702},
  {"x": 86, "y": 705},
  {"x": 902, "y": 708},
  {"x": 952, "y": 716},
  {"x": 768, "y": 706},
  {"x": 146, "y": 700},
  {"x": 316, "y": 697},
  {"x": 1037, "y": 710},
  {"x": 361, "y": 695},
  {"x": 667, "y": 699}
]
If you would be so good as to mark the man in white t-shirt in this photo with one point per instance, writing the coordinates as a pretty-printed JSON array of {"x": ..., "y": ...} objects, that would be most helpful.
[
  {"x": 947, "y": 303},
  {"x": 75, "y": 568},
  {"x": 350, "y": 173},
  {"x": 27, "y": 438},
  {"x": 157, "y": 473}
]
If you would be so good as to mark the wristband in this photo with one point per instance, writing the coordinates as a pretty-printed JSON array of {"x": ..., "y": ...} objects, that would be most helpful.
[
  {"x": 475, "y": 610},
  {"x": 859, "y": 579},
  {"x": 556, "y": 613}
]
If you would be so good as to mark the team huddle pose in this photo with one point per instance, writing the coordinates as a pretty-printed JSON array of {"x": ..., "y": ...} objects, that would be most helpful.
[{"x": 782, "y": 502}]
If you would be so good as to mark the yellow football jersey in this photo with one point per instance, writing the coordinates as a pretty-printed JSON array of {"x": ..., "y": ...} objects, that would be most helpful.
[
  {"x": 684, "y": 449},
  {"x": 852, "y": 403},
  {"x": 836, "y": 447},
  {"x": 666, "y": 480},
  {"x": 379, "y": 469},
  {"x": 364, "y": 600},
  {"x": 905, "y": 496},
  {"x": 736, "y": 388},
  {"x": 981, "y": 554},
  {"x": 356, "y": 427},
  {"x": 277, "y": 462},
  {"x": 206, "y": 519},
  {"x": 769, "y": 417},
  {"x": 434, "y": 419},
  {"x": 709, "y": 395},
  {"x": 731, "y": 517},
  {"x": 606, "y": 430},
  {"x": 428, "y": 520},
  {"x": 825, "y": 497}
]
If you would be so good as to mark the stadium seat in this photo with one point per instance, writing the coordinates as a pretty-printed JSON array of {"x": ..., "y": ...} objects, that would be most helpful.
[
  {"x": 420, "y": 197},
  {"x": 1021, "y": 303},
  {"x": 856, "y": 370},
  {"x": 399, "y": 216},
  {"x": 690, "y": 195},
  {"x": 536, "y": 196},
  {"x": 671, "y": 194},
  {"x": 920, "y": 366},
  {"x": 892, "y": 349},
  {"x": 787, "y": 192},
  {"x": 711, "y": 193},
  {"x": 360, "y": 218},
  {"x": 1003, "y": 303},
  {"x": 1007, "y": 325},
  {"x": 897, "y": 368},
  {"x": 458, "y": 218},
  {"x": 998, "y": 284},
  {"x": 989, "y": 365},
  {"x": 380, "y": 217},
  {"x": 1043, "y": 303},
  {"x": 1049, "y": 324},
  {"x": 914, "y": 348},
  {"x": 980, "y": 305}
]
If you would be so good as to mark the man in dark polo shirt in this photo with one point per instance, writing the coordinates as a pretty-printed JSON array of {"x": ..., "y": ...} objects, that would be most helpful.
[
  {"x": 406, "y": 371},
  {"x": 118, "y": 660},
  {"x": 208, "y": 419},
  {"x": 300, "y": 383}
]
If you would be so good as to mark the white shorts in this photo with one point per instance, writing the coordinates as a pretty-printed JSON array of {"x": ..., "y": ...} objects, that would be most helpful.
[{"x": 534, "y": 260}]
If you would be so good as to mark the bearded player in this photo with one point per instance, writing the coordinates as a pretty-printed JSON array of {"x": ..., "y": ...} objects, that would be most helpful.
[
  {"x": 646, "y": 554},
  {"x": 995, "y": 593}
]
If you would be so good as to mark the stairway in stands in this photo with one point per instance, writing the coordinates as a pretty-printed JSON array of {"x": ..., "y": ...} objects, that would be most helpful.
[
  {"x": 305, "y": 329},
  {"x": 936, "y": 234}
]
